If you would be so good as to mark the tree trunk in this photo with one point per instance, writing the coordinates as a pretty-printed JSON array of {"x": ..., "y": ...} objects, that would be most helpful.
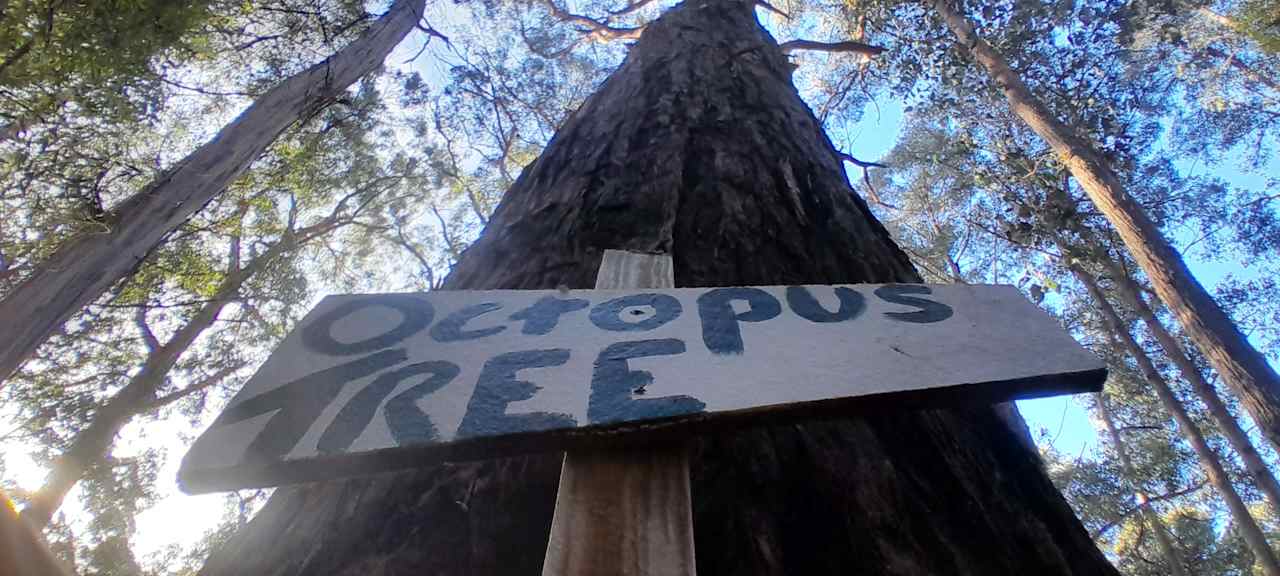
[
  {"x": 700, "y": 147},
  {"x": 22, "y": 550},
  {"x": 1241, "y": 366},
  {"x": 1164, "y": 541},
  {"x": 1240, "y": 442},
  {"x": 84, "y": 267},
  {"x": 92, "y": 444},
  {"x": 1131, "y": 294},
  {"x": 1249, "y": 529}
]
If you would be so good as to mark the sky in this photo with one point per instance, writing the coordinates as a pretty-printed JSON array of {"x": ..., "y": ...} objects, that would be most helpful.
[{"x": 1059, "y": 422}]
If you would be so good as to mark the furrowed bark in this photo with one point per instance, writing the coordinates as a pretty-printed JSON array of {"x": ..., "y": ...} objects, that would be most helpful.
[
  {"x": 700, "y": 147},
  {"x": 1241, "y": 366},
  {"x": 1164, "y": 541},
  {"x": 85, "y": 267},
  {"x": 1245, "y": 523}
]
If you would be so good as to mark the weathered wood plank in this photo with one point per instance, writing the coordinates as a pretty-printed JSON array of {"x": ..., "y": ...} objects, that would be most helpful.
[
  {"x": 376, "y": 382},
  {"x": 624, "y": 511}
]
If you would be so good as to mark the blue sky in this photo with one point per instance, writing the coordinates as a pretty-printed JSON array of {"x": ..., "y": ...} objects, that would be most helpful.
[{"x": 1062, "y": 422}]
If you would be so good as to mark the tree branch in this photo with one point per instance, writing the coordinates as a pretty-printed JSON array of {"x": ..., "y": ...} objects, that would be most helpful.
[
  {"x": 206, "y": 382},
  {"x": 595, "y": 28},
  {"x": 846, "y": 46},
  {"x": 872, "y": 194},
  {"x": 148, "y": 336},
  {"x": 772, "y": 8},
  {"x": 1150, "y": 500}
]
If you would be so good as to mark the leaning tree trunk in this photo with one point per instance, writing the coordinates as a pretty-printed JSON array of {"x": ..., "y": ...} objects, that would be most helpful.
[
  {"x": 1209, "y": 462},
  {"x": 1241, "y": 366},
  {"x": 700, "y": 147},
  {"x": 92, "y": 444},
  {"x": 1222, "y": 416},
  {"x": 1164, "y": 540},
  {"x": 84, "y": 267},
  {"x": 1131, "y": 294}
]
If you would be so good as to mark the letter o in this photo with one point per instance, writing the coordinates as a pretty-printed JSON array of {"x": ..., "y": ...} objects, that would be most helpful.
[
  {"x": 608, "y": 316},
  {"x": 417, "y": 314}
]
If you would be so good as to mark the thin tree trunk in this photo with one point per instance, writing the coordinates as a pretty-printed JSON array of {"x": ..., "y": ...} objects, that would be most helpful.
[
  {"x": 1241, "y": 366},
  {"x": 1240, "y": 442},
  {"x": 1245, "y": 523},
  {"x": 1164, "y": 541},
  {"x": 84, "y": 267},
  {"x": 1131, "y": 294},
  {"x": 92, "y": 444},
  {"x": 698, "y": 146}
]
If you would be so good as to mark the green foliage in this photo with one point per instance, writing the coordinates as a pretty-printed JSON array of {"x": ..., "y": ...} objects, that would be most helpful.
[
  {"x": 1260, "y": 20},
  {"x": 98, "y": 56}
]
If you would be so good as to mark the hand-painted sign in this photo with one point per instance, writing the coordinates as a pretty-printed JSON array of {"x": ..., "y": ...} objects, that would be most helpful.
[{"x": 376, "y": 382}]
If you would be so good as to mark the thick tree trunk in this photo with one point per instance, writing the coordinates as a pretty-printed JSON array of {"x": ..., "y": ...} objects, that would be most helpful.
[
  {"x": 699, "y": 147},
  {"x": 1164, "y": 541},
  {"x": 1245, "y": 523},
  {"x": 1241, "y": 366},
  {"x": 84, "y": 267},
  {"x": 22, "y": 550}
]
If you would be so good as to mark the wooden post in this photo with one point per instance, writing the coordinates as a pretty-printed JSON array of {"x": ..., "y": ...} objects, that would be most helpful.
[{"x": 624, "y": 511}]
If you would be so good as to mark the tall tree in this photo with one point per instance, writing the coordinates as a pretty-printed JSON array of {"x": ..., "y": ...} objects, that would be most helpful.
[
  {"x": 1264, "y": 555},
  {"x": 1241, "y": 366},
  {"x": 699, "y": 146},
  {"x": 1131, "y": 295},
  {"x": 92, "y": 444},
  {"x": 1164, "y": 540},
  {"x": 84, "y": 267}
]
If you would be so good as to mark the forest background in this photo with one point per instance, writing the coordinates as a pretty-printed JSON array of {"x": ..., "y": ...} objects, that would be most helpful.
[{"x": 382, "y": 186}]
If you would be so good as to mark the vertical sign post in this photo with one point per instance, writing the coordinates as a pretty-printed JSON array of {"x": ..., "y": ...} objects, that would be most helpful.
[{"x": 624, "y": 511}]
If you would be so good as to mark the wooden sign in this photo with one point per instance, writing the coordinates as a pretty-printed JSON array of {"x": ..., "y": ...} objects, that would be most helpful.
[{"x": 379, "y": 382}]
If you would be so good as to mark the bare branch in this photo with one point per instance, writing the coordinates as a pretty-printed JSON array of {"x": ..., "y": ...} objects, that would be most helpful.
[
  {"x": 1150, "y": 500},
  {"x": 630, "y": 7},
  {"x": 599, "y": 29},
  {"x": 148, "y": 336},
  {"x": 872, "y": 194},
  {"x": 403, "y": 241},
  {"x": 206, "y": 382},
  {"x": 771, "y": 8},
  {"x": 846, "y": 46},
  {"x": 444, "y": 231}
]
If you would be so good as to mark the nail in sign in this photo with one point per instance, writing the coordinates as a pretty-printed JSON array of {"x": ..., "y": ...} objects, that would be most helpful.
[{"x": 377, "y": 382}]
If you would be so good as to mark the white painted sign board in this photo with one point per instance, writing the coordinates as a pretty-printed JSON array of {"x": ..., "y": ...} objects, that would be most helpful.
[{"x": 378, "y": 382}]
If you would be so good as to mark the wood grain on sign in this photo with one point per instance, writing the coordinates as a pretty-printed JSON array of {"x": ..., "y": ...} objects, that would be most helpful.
[
  {"x": 379, "y": 382},
  {"x": 625, "y": 510}
]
